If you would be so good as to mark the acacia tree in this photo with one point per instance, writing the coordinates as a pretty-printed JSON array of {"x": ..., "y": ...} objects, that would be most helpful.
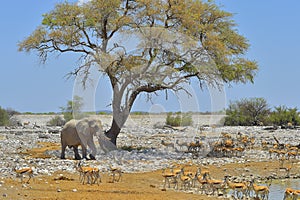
[
  {"x": 177, "y": 41},
  {"x": 282, "y": 115},
  {"x": 247, "y": 112}
]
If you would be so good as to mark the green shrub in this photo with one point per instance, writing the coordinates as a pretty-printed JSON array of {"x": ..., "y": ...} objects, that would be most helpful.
[
  {"x": 179, "y": 119},
  {"x": 72, "y": 107},
  {"x": 11, "y": 112},
  {"x": 101, "y": 113},
  {"x": 283, "y": 115},
  {"x": 4, "y": 117},
  {"x": 50, "y": 113},
  {"x": 139, "y": 113},
  {"x": 27, "y": 113},
  {"x": 68, "y": 116},
  {"x": 247, "y": 112},
  {"x": 56, "y": 121}
]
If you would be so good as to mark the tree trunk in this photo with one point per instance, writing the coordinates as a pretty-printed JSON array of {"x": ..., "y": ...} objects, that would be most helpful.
[{"x": 113, "y": 132}]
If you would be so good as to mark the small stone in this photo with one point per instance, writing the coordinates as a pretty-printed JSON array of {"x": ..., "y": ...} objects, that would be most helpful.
[
  {"x": 74, "y": 190},
  {"x": 58, "y": 190},
  {"x": 4, "y": 195}
]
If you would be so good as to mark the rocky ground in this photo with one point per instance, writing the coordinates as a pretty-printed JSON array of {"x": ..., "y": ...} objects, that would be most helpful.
[{"x": 38, "y": 145}]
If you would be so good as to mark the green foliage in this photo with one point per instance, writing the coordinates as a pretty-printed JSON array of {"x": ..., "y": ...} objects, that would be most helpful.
[
  {"x": 4, "y": 117},
  {"x": 11, "y": 112},
  {"x": 179, "y": 119},
  {"x": 247, "y": 112},
  {"x": 139, "y": 113},
  {"x": 87, "y": 28},
  {"x": 49, "y": 113},
  {"x": 68, "y": 116},
  {"x": 57, "y": 121},
  {"x": 72, "y": 108},
  {"x": 283, "y": 115},
  {"x": 102, "y": 113},
  {"x": 190, "y": 29},
  {"x": 28, "y": 113}
]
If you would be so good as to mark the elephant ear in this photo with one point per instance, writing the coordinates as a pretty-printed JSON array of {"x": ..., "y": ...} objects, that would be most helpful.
[
  {"x": 95, "y": 125},
  {"x": 83, "y": 126}
]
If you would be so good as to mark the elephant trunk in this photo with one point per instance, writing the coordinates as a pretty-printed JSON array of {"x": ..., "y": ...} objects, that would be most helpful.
[{"x": 105, "y": 143}]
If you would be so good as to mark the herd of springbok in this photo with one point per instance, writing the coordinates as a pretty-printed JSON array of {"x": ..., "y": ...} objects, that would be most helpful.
[
  {"x": 229, "y": 146},
  {"x": 87, "y": 174},
  {"x": 92, "y": 174},
  {"x": 201, "y": 179}
]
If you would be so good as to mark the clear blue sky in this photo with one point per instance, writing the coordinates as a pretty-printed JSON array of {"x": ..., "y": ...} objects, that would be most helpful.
[{"x": 272, "y": 28}]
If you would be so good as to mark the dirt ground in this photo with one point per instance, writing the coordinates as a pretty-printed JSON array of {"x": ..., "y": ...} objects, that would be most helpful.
[{"x": 142, "y": 186}]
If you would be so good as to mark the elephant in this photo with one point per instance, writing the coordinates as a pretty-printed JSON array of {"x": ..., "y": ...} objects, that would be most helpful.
[{"x": 80, "y": 132}]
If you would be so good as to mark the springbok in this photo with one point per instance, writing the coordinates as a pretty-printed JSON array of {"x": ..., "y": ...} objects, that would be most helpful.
[
  {"x": 115, "y": 171},
  {"x": 238, "y": 188},
  {"x": 263, "y": 191},
  {"x": 22, "y": 171},
  {"x": 92, "y": 174},
  {"x": 170, "y": 176}
]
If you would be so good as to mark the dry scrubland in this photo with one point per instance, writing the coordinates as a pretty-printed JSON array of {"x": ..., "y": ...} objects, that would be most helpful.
[
  {"x": 142, "y": 186},
  {"x": 142, "y": 177}
]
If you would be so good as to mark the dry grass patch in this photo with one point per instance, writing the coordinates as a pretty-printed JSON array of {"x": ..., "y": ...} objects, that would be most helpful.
[{"x": 39, "y": 152}]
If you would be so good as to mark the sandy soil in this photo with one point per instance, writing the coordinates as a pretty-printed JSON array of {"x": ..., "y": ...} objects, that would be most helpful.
[{"x": 142, "y": 186}]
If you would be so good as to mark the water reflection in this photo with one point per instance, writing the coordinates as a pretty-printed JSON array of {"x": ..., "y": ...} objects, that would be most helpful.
[{"x": 278, "y": 187}]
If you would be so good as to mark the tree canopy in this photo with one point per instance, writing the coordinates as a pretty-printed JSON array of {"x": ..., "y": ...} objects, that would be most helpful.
[
  {"x": 247, "y": 112},
  {"x": 283, "y": 115},
  {"x": 176, "y": 41}
]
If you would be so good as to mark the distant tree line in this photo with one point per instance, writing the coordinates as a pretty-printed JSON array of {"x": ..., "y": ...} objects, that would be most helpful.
[
  {"x": 244, "y": 112},
  {"x": 256, "y": 111}
]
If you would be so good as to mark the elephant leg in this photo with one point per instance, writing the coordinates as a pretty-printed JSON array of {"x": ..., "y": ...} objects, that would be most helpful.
[
  {"x": 84, "y": 151},
  {"x": 92, "y": 157},
  {"x": 77, "y": 156},
  {"x": 63, "y": 149},
  {"x": 92, "y": 146}
]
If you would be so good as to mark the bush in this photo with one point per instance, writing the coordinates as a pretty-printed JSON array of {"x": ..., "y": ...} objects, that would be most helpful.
[
  {"x": 283, "y": 115},
  {"x": 73, "y": 107},
  {"x": 56, "y": 121},
  {"x": 179, "y": 119},
  {"x": 247, "y": 112},
  {"x": 4, "y": 117},
  {"x": 11, "y": 112}
]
